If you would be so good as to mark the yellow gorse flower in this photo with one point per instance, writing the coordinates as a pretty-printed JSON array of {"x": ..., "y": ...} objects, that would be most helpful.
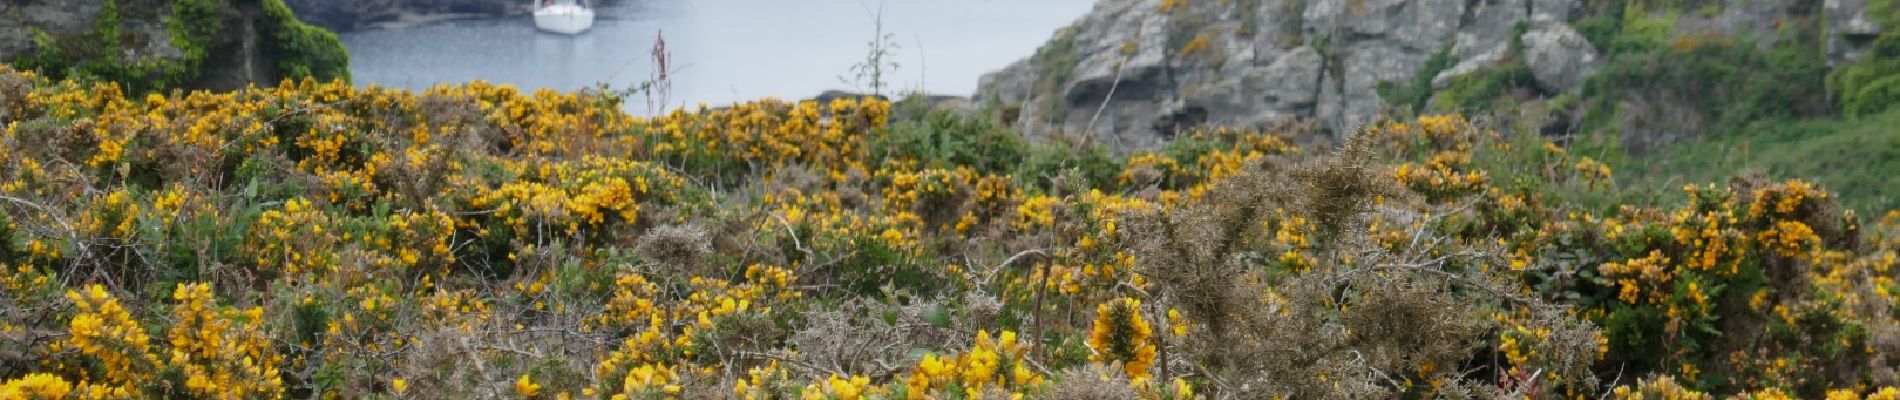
[
  {"x": 1121, "y": 333},
  {"x": 37, "y": 386}
]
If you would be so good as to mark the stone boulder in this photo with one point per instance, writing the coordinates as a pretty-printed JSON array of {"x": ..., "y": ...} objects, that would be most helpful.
[
  {"x": 1558, "y": 57},
  {"x": 1851, "y": 30}
]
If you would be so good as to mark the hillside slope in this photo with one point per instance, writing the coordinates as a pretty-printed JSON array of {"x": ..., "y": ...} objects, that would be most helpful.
[{"x": 316, "y": 240}]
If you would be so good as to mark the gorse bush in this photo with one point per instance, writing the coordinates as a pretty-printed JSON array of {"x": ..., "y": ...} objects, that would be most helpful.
[
  {"x": 945, "y": 139},
  {"x": 322, "y": 240}
]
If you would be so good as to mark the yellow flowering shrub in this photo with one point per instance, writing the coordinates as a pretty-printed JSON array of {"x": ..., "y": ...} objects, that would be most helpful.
[
  {"x": 1122, "y": 334},
  {"x": 103, "y": 330},
  {"x": 1662, "y": 388},
  {"x": 323, "y": 240}
]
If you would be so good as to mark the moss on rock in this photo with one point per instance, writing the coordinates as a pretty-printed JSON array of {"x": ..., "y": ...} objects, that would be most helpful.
[
  {"x": 304, "y": 50},
  {"x": 122, "y": 46}
]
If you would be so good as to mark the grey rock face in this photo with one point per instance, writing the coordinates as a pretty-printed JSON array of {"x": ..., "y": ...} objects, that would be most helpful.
[
  {"x": 1248, "y": 63},
  {"x": 235, "y": 56},
  {"x": 1374, "y": 41},
  {"x": 1242, "y": 62},
  {"x": 1549, "y": 11},
  {"x": 1850, "y": 30},
  {"x": 20, "y": 20},
  {"x": 1491, "y": 56},
  {"x": 1009, "y": 88},
  {"x": 1558, "y": 57}
]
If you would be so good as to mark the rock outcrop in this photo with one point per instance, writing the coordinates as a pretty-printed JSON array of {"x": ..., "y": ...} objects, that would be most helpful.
[
  {"x": 1558, "y": 57},
  {"x": 159, "y": 44},
  {"x": 1133, "y": 72},
  {"x": 1851, "y": 29}
]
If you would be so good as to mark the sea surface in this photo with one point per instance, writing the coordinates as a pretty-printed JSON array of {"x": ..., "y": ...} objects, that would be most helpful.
[{"x": 722, "y": 51}]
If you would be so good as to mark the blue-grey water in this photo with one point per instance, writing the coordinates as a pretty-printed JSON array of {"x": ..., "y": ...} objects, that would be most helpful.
[{"x": 722, "y": 50}]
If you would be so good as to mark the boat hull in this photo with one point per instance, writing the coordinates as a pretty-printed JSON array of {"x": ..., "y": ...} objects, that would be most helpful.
[{"x": 564, "y": 19}]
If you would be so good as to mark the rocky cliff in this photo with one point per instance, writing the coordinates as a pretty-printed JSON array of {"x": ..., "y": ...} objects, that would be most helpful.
[
  {"x": 159, "y": 44},
  {"x": 1161, "y": 65}
]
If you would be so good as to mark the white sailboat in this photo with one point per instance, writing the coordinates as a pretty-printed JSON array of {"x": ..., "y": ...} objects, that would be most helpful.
[{"x": 563, "y": 16}]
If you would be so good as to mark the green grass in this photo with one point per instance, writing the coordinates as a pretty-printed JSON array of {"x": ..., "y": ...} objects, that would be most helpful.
[{"x": 1857, "y": 159}]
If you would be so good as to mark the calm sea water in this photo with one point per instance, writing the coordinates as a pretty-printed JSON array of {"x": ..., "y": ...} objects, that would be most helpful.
[{"x": 723, "y": 50}]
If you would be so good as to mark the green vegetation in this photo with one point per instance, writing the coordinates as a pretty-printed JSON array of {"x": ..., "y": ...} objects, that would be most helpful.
[
  {"x": 303, "y": 49},
  {"x": 949, "y": 139},
  {"x": 1055, "y": 66},
  {"x": 1412, "y": 96},
  {"x": 1722, "y": 86},
  {"x": 1670, "y": 107},
  {"x": 193, "y": 24},
  {"x": 299, "y": 49},
  {"x": 944, "y": 138},
  {"x": 1490, "y": 88},
  {"x": 1872, "y": 84},
  {"x": 1857, "y": 157},
  {"x": 97, "y": 54}
]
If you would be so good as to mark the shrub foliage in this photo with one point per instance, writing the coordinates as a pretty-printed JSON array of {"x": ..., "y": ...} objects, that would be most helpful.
[{"x": 322, "y": 240}]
